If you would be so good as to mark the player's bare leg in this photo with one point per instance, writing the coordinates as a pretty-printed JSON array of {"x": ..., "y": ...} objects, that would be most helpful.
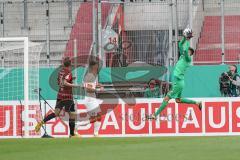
[
  {"x": 95, "y": 118},
  {"x": 47, "y": 118},
  {"x": 92, "y": 119},
  {"x": 72, "y": 118},
  {"x": 160, "y": 109},
  {"x": 188, "y": 101},
  {"x": 97, "y": 124}
]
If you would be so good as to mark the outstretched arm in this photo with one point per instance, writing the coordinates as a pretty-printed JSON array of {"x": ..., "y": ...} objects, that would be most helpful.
[
  {"x": 65, "y": 83},
  {"x": 180, "y": 45}
]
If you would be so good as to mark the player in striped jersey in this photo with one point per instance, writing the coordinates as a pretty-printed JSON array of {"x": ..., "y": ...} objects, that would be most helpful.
[{"x": 64, "y": 97}]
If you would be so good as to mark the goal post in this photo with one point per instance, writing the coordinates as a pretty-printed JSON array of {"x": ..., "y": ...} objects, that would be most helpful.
[{"x": 19, "y": 74}]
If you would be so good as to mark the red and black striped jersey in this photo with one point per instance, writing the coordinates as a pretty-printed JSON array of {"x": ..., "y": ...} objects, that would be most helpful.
[{"x": 64, "y": 92}]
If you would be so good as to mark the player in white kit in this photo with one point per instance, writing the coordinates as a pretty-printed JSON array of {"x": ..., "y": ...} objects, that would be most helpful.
[{"x": 92, "y": 103}]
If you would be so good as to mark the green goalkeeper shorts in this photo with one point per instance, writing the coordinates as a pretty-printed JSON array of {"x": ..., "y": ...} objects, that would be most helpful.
[{"x": 177, "y": 88}]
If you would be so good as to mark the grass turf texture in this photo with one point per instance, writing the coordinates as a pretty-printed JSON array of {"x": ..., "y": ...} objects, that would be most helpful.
[{"x": 169, "y": 148}]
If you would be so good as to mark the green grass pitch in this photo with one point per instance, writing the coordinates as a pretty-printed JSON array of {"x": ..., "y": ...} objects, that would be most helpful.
[{"x": 157, "y": 148}]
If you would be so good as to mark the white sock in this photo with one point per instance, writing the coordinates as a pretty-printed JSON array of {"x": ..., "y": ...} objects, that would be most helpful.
[{"x": 97, "y": 126}]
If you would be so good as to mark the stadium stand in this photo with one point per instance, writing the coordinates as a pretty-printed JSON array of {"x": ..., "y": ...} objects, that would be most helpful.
[
  {"x": 209, "y": 46},
  {"x": 63, "y": 31},
  {"x": 60, "y": 28},
  {"x": 82, "y": 29}
]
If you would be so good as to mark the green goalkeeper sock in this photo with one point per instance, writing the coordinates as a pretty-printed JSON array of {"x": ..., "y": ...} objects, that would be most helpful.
[
  {"x": 188, "y": 101},
  {"x": 161, "y": 108}
]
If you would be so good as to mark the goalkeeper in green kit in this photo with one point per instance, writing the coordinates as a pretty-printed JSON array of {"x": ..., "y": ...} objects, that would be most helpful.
[{"x": 178, "y": 75}]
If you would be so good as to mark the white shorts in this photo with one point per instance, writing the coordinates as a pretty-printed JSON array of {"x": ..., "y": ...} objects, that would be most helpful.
[{"x": 93, "y": 105}]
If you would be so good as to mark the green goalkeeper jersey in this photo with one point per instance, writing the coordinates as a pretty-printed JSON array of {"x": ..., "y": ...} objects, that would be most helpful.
[{"x": 184, "y": 60}]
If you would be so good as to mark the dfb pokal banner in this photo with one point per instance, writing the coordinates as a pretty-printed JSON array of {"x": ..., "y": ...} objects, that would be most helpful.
[{"x": 120, "y": 118}]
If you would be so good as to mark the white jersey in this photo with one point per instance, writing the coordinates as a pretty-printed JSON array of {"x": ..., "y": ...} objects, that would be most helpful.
[
  {"x": 90, "y": 80},
  {"x": 92, "y": 103}
]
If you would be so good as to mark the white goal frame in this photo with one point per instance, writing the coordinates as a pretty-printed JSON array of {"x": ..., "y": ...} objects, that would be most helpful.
[{"x": 25, "y": 40}]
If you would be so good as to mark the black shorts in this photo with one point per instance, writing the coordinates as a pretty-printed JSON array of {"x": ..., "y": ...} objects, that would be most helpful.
[{"x": 67, "y": 104}]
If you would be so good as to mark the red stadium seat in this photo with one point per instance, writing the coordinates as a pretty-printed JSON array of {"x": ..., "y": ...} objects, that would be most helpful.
[
  {"x": 82, "y": 29},
  {"x": 209, "y": 46}
]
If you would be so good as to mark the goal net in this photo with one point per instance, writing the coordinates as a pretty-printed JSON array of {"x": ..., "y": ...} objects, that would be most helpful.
[{"x": 19, "y": 82}]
